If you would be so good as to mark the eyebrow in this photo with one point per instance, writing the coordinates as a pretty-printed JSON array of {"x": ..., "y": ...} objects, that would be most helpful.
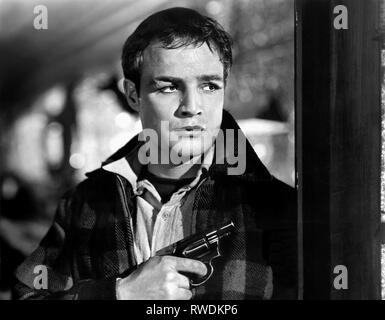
[
  {"x": 210, "y": 77},
  {"x": 206, "y": 77}
]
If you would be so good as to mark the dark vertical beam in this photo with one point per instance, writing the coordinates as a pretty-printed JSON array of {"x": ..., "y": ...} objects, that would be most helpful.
[
  {"x": 298, "y": 144},
  {"x": 339, "y": 173}
]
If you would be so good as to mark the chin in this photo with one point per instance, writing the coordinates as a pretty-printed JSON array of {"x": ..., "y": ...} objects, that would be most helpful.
[{"x": 187, "y": 149}]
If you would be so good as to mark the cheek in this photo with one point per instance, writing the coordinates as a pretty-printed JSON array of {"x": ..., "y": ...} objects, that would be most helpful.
[
  {"x": 154, "y": 110},
  {"x": 214, "y": 109}
]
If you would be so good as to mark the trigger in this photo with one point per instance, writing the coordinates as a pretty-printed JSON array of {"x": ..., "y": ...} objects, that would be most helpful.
[{"x": 200, "y": 281}]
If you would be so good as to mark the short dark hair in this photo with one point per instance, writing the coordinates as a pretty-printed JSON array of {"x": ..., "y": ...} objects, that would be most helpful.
[{"x": 174, "y": 28}]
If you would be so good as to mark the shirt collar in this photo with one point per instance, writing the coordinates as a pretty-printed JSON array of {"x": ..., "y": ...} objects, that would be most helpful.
[
  {"x": 255, "y": 170},
  {"x": 129, "y": 167}
]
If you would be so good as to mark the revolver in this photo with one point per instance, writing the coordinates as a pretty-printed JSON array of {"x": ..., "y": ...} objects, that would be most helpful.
[{"x": 204, "y": 246}]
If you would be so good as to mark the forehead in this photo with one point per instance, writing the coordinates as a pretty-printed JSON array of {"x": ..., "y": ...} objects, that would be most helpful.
[{"x": 184, "y": 62}]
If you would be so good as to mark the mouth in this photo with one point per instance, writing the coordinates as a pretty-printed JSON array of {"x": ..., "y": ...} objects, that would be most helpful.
[{"x": 190, "y": 130}]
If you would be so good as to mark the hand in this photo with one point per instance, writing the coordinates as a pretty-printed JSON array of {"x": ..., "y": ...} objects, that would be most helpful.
[{"x": 159, "y": 278}]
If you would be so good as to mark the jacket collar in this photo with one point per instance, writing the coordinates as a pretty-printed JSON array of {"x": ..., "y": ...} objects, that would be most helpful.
[{"x": 254, "y": 170}]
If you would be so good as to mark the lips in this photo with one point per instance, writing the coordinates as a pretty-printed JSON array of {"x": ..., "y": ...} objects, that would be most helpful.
[
  {"x": 190, "y": 131},
  {"x": 190, "y": 128}
]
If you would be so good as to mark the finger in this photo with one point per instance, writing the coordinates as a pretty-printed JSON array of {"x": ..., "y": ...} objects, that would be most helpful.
[
  {"x": 182, "y": 281},
  {"x": 191, "y": 266},
  {"x": 184, "y": 294}
]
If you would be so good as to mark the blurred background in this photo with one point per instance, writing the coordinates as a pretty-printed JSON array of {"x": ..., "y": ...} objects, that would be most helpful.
[{"x": 62, "y": 109}]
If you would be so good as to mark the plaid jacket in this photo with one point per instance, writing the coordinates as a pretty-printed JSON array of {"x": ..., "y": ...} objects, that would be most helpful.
[{"x": 90, "y": 243}]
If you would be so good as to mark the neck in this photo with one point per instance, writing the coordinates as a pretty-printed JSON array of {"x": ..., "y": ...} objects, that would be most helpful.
[{"x": 187, "y": 169}]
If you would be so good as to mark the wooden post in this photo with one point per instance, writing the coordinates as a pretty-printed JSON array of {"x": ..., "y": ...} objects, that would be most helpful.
[{"x": 339, "y": 147}]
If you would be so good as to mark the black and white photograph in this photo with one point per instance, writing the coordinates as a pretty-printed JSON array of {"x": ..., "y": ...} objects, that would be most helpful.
[{"x": 192, "y": 150}]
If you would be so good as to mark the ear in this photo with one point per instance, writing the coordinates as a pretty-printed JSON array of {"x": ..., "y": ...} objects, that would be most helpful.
[{"x": 131, "y": 94}]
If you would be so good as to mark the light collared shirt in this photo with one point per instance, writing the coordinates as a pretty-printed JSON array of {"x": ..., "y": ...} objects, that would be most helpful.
[{"x": 159, "y": 225}]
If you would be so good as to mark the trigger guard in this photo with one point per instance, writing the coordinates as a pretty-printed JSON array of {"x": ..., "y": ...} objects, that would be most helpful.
[{"x": 208, "y": 275}]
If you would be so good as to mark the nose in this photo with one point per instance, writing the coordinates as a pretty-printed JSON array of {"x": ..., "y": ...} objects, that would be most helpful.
[{"x": 190, "y": 104}]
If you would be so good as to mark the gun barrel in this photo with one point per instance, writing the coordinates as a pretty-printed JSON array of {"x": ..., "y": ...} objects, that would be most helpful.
[
  {"x": 223, "y": 231},
  {"x": 201, "y": 239},
  {"x": 226, "y": 229}
]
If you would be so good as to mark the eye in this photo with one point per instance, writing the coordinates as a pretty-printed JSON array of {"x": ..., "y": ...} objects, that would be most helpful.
[
  {"x": 168, "y": 89},
  {"x": 210, "y": 87}
]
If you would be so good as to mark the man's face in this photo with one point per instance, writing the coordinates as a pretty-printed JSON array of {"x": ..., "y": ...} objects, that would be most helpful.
[{"x": 184, "y": 87}]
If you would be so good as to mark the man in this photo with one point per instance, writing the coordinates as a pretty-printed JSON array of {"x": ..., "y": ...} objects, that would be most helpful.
[{"x": 181, "y": 180}]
